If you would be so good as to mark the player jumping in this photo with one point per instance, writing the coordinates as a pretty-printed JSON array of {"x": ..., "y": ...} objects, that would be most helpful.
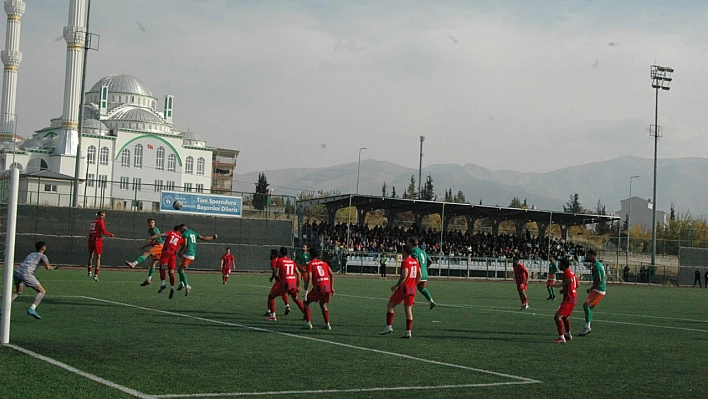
[
  {"x": 189, "y": 252},
  {"x": 155, "y": 249}
]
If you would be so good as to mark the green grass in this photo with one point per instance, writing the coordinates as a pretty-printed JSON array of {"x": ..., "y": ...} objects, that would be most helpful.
[{"x": 647, "y": 342}]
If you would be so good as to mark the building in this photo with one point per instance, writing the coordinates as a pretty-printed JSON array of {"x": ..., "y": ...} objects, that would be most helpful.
[
  {"x": 640, "y": 213},
  {"x": 130, "y": 153}
]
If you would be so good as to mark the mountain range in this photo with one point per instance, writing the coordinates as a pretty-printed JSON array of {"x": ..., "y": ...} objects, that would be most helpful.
[{"x": 681, "y": 181}]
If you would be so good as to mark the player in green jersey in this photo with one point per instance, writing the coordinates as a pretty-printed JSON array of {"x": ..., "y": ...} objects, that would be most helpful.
[
  {"x": 596, "y": 292},
  {"x": 188, "y": 253},
  {"x": 301, "y": 260},
  {"x": 551, "y": 278},
  {"x": 423, "y": 260},
  {"x": 152, "y": 248}
]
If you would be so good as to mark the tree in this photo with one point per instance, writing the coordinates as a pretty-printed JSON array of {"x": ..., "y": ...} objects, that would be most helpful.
[
  {"x": 448, "y": 196},
  {"x": 428, "y": 191},
  {"x": 573, "y": 205},
  {"x": 673, "y": 211},
  {"x": 601, "y": 228},
  {"x": 393, "y": 192},
  {"x": 383, "y": 190},
  {"x": 260, "y": 198},
  {"x": 460, "y": 197},
  {"x": 410, "y": 192},
  {"x": 516, "y": 203}
]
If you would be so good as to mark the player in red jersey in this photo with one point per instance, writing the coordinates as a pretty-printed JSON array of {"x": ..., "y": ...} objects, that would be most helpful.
[
  {"x": 168, "y": 257},
  {"x": 227, "y": 264},
  {"x": 521, "y": 275},
  {"x": 288, "y": 282},
  {"x": 95, "y": 242},
  {"x": 322, "y": 279},
  {"x": 273, "y": 263},
  {"x": 404, "y": 291},
  {"x": 570, "y": 299}
]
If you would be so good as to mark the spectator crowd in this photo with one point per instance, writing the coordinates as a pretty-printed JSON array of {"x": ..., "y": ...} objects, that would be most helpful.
[{"x": 454, "y": 243}]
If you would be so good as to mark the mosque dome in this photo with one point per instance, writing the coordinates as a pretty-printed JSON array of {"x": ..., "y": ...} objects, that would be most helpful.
[
  {"x": 32, "y": 144},
  {"x": 121, "y": 83},
  {"x": 95, "y": 126},
  {"x": 193, "y": 139},
  {"x": 135, "y": 114}
]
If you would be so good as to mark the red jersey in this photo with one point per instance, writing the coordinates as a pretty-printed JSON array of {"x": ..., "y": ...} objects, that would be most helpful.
[
  {"x": 173, "y": 241},
  {"x": 570, "y": 293},
  {"x": 410, "y": 264},
  {"x": 228, "y": 260},
  {"x": 274, "y": 263},
  {"x": 320, "y": 272},
  {"x": 521, "y": 275},
  {"x": 286, "y": 270},
  {"x": 98, "y": 230}
]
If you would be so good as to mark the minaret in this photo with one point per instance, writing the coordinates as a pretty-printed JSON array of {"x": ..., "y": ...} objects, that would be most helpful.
[
  {"x": 11, "y": 58},
  {"x": 75, "y": 36}
]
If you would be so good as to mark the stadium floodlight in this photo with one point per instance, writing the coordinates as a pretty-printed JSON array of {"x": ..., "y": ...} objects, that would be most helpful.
[
  {"x": 629, "y": 212},
  {"x": 661, "y": 78},
  {"x": 357, "y": 170}
]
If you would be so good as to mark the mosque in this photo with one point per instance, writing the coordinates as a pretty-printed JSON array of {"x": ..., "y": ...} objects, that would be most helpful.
[{"x": 130, "y": 151}]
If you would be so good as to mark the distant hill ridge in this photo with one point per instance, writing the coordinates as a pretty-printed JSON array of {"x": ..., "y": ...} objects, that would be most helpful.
[{"x": 683, "y": 181}]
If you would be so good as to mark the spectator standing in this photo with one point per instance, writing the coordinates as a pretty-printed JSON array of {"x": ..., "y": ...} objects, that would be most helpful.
[{"x": 697, "y": 279}]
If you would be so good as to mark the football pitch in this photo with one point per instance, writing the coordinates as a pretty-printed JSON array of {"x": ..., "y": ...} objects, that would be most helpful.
[{"x": 116, "y": 339}]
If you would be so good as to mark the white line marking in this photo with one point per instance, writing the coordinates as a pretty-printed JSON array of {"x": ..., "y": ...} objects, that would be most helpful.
[
  {"x": 100, "y": 380},
  {"x": 504, "y": 310},
  {"x": 353, "y": 390},
  {"x": 515, "y": 377}
]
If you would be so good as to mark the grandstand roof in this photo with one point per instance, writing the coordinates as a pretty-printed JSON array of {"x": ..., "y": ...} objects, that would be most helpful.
[{"x": 370, "y": 202}]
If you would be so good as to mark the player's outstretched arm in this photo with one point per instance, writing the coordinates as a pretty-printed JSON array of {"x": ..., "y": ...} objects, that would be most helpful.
[{"x": 208, "y": 238}]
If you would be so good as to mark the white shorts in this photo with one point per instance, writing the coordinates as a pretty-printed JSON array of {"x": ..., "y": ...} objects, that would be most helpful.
[{"x": 29, "y": 280}]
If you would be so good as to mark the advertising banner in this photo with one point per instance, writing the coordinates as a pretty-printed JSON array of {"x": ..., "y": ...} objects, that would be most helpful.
[{"x": 200, "y": 204}]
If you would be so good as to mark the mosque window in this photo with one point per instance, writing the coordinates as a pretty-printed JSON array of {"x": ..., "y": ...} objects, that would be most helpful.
[
  {"x": 138, "y": 156},
  {"x": 171, "y": 163},
  {"x": 16, "y": 165},
  {"x": 189, "y": 165},
  {"x": 125, "y": 158},
  {"x": 200, "y": 166},
  {"x": 91, "y": 155},
  {"x": 103, "y": 156},
  {"x": 160, "y": 160}
]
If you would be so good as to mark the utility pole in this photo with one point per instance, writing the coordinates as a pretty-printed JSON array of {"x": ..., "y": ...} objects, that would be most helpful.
[{"x": 420, "y": 164}]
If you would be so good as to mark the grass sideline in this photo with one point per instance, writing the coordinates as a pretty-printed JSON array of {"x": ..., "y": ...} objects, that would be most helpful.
[{"x": 646, "y": 342}]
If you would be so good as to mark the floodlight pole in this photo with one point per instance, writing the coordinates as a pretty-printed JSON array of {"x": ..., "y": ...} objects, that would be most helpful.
[
  {"x": 358, "y": 168},
  {"x": 629, "y": 215},
  {"x": 420, "y": 165},
  {"x": 661, "y": 78}
]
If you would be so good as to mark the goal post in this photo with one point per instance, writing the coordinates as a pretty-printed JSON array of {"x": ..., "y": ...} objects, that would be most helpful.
[{"x": 9, "y": 254}]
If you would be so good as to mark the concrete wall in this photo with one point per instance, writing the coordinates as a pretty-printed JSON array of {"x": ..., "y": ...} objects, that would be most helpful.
[{"x": 65, "y": 231}]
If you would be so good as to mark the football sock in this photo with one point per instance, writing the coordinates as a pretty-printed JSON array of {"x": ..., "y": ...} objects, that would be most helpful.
[
  {"x": 183, "y": 277},
  {"x": 151, "y": 271},
  {"x": 172, "y": 280},
  {"x": 271, "y": 305},
  {"x": 226, "y": 277},
  {"x": 560, "y": 327},
  {"x": 89, "y": 269},
  {"x": 587, "y": 325},
  {"x": 325, "y": 314},
  {"x": 163, "y": 275},
  {"x": 14, "y": 296},
  {"x": 163, "y": 282},
  {"x": 95, "y": 273},
  {"x": 426, "y": 294},
  {"x": 37, "y": 299},
  {"x": 566, "y": 321},
  {"x": 389, "y": 318},
  {"x": 140, "y": 259},
  {"x": 286, "y": 300},
  {"x": 300, "y": 305},
  {"x": 308, "y": 314},
  {"x": 409, "y": 324},
  {"x": 553, "y": 291},
  {"x": 588, "y": 314}
]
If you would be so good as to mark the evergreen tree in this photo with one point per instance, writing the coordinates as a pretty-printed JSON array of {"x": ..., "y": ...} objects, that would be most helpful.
[
  {"x": 383, "y": 190},
  {"x": 673, "y": 211},
  {"x": 410, "y": 192},
  {"x": 516, "y": 203},
  {"x": 460, "y": 197},
  {"x": 393, "y": 192},
  {"x": 573, "y": 205},
  {"x": 260, "y": 197},
  {"x": 601, "y": 228},
  {"x": 428, "y": 191},
  {"x": 448, "y": 196}
]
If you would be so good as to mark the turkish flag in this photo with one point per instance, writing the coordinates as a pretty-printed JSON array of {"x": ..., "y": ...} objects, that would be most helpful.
[{"x": 150, "y": 147}]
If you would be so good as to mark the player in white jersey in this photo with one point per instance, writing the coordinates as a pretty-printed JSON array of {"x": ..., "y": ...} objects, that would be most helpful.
[{"x": 24, "y": 276}]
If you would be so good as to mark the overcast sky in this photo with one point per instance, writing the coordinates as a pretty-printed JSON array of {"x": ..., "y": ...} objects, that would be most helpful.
[{"x": 527, "y": 86}]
